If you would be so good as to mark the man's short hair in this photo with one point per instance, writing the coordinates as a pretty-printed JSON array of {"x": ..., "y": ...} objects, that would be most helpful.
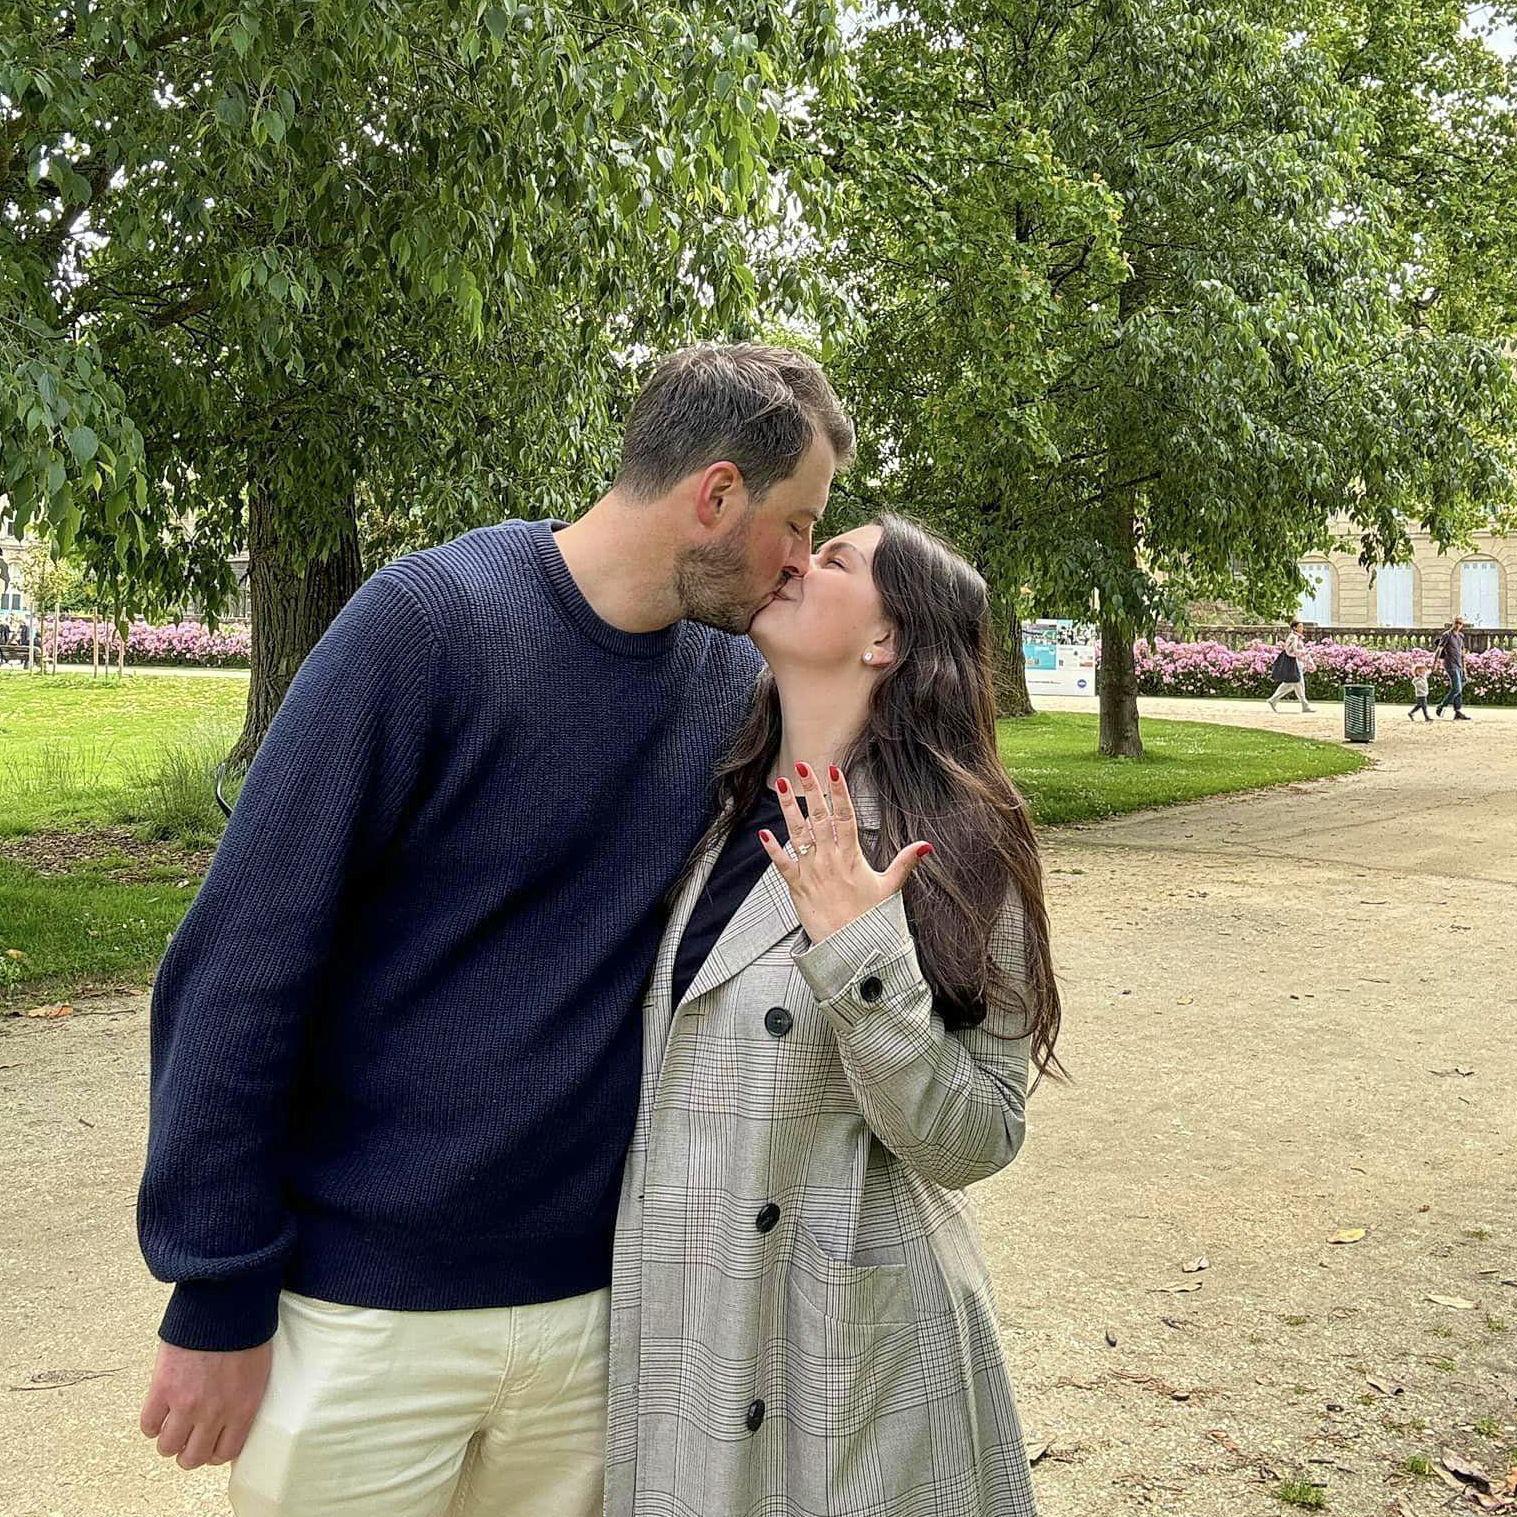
[{"x": 757, "y": 407}]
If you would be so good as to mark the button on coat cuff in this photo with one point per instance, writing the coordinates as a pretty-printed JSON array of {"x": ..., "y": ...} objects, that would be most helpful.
[{"x": 865, "y": 965}]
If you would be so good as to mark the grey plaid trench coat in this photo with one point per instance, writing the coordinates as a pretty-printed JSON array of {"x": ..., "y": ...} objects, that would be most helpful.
[{"x": 801, "y": 1321}]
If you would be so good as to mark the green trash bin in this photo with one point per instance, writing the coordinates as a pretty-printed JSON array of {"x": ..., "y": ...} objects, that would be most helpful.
[{"x": 1359, "y": 713}]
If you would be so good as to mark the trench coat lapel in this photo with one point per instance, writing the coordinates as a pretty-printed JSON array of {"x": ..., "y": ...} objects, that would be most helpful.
[{"x": 766, "y": 917}]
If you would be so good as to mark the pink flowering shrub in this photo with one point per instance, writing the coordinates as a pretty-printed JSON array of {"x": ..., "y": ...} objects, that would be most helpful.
[
  {"x": 183, "y": 643},
  {"x": 1166, "y": 668}
]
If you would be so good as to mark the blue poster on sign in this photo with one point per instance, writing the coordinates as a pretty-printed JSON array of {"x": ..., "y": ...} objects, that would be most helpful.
[
  {"x": 1039, "y": 650},
  {"x": 1059, "y": 657}
]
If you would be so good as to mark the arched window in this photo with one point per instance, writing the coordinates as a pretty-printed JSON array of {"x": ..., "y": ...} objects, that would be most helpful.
[
  {"x": 1317, "y": 603},
  {"x": 1479, "y": 592},
  {"x": 1395, "y": 595}
]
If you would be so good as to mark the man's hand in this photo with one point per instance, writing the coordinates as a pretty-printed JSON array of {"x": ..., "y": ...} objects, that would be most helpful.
[{"x": 200, "y": 1405}]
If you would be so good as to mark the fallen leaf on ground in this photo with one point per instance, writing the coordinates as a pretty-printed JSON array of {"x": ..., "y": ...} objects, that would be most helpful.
[
  {"x": 1053, "y": 1449},
  {"x": 1177, "y": 1290},
  {"x": 1457, "y": 1302},
  {"x": 1384, "y": 1386},
  {"x": 1449, "y": 1479},
  {"x": 55, "y": 1380},
  {"x": 1465, "y": 1472},
  {"x": 1154, "y": 1383},
  {"x": 1348, "y": 1235},
  {"x": 1197, "y": 1264},
  {"x": 48, "y": 1013}
]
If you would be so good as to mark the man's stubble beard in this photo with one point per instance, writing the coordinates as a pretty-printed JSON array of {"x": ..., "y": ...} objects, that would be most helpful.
[{"x": 713, "y": 582}]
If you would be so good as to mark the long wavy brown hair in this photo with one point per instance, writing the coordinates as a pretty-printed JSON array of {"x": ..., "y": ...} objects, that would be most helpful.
[{"x": 928, "y": 750}]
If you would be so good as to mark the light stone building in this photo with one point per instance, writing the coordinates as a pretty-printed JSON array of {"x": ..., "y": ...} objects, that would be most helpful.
[
  {"x": 13, "y": 602},
  {"x": 1478, "y": 583}
]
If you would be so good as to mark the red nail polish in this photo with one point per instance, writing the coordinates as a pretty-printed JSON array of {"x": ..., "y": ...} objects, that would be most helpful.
[
  {"x": 783, "y": 786},
  {"x": 835, "y": 772},
  {"x": 803, "y": 771},
  {"x": 924, "y": 850},
  {"x": 764, "y": 836}
]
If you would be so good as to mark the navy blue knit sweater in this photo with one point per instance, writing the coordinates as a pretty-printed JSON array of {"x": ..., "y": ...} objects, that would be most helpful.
[{"x": 396, "y": 1042}]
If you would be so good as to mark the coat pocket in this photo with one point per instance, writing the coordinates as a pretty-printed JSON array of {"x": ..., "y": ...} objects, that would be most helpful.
[
  {"x": 860, "y": 1401},
  {"x": 845, "y": 1292}
]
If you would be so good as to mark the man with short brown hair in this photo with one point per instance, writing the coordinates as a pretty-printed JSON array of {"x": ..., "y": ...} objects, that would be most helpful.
[{"x": 396, "y": 1047}]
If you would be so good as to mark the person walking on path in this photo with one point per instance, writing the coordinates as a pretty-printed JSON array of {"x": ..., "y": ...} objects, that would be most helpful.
[
  {"x": 1421, "y": 664},
  {"x": 1450, "y": 651},
  {"x": 396, "y": 1042},
  {"x": 1290, "y": 668},
  {"x": 838, "y": 1036}
]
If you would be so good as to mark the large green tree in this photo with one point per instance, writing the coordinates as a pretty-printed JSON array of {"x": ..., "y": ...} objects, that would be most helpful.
[
  {"x": 263, "y": 262},
  {"x": 1141, "y": 293}
]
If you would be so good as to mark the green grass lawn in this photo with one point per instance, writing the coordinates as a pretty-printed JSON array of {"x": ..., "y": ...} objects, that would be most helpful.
[
  {"x": 1052, "y": 758},
  {"x": 97, "y": 757},
  {"x": 79, "y": 754},
  {"x": 74, "y": 749},
  {"x": 79, "y": 931}
]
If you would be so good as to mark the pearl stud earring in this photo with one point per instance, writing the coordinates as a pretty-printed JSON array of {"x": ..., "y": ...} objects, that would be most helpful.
[{"x": 869, "y": 657}]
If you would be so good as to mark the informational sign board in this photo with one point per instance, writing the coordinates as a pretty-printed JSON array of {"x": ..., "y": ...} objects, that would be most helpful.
[{"x": 1060, "y": 657}]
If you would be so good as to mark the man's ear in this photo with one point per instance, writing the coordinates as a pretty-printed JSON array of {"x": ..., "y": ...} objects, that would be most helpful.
[{"x": 718, "y": 492}]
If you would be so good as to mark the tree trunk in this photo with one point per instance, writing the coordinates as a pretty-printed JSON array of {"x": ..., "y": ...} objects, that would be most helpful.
[
  {"x": 1116, "y": 528},
  {"x": 291, "y": 603},
  {"x": 1117, "y": 687},
  {"x": 1117, "y": 676},
  {"x": 1012, "y": 698}
]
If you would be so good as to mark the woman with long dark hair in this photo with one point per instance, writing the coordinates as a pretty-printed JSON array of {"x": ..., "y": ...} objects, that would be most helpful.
[{"x": 853, "y": 983}]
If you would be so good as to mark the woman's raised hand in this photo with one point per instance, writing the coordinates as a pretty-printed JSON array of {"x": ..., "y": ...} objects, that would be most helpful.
[{"x": 830, "y": 880}]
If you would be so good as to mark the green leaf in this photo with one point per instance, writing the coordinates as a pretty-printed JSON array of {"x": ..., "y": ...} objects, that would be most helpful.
[{"x": 83, "y": 444}]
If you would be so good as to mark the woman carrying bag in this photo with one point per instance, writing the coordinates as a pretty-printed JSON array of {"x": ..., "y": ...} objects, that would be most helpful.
[{"x": 1292, "y": 664}]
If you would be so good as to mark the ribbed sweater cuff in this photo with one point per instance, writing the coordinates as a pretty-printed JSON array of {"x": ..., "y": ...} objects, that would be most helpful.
[{"x": 222, "y": 1315}]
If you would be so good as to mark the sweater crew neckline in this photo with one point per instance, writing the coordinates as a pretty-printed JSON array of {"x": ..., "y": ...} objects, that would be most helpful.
[{"x": 580, "y": 612}]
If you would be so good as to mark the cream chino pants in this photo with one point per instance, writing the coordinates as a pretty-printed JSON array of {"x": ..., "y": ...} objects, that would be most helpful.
[{"x": 498, "y": 1412}]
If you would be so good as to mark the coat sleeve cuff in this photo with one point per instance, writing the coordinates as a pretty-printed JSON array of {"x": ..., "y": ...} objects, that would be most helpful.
[
  {"x": 868, "y": 964},
  {"x": 222, "y": 1315}
]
